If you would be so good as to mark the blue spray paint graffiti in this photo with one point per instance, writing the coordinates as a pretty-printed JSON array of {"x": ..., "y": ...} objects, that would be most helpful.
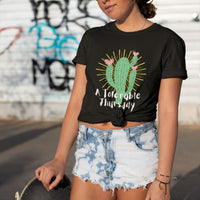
[
  {"x": 57, "y": 48},
  {"x": 57, "y": 44}
]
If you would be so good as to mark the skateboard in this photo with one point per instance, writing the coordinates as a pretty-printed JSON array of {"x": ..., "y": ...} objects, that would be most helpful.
[{"x": 34, "y": 190}]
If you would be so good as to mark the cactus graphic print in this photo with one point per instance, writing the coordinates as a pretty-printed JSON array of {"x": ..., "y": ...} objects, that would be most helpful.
[{"x": 120, "y": 74}]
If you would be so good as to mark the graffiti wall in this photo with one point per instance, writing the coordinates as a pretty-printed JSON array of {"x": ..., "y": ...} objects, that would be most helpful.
[{"x": 39, "y": 38}]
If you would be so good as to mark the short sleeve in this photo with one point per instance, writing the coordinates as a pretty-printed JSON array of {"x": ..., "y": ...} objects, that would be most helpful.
[
  {"x": 173, "y": 59},
  {"x": 81, "y": 51}
]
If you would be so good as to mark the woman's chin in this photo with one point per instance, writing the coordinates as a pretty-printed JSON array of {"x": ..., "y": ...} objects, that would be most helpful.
[{"x": 114, "y": 17}]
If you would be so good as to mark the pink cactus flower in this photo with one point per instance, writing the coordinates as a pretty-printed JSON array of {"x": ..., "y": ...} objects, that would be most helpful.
[
  {"x": 109, "y": 62},
  {"x": 135, "y": 53},
  {"x": 134, "y": 67}
]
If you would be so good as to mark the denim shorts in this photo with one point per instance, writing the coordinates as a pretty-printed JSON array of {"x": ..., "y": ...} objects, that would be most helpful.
[{"x": 117, "y": 158}]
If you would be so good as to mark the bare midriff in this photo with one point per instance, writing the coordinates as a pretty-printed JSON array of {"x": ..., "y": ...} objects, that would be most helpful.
[{"x": 109, "y": 125}]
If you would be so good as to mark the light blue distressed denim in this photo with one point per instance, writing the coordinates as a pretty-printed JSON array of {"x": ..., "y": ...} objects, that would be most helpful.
[{"x": 116, "y": 158}]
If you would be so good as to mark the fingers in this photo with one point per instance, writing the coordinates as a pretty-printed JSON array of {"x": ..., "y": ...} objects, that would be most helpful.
[
  {"x": 46, "y": 178},
  {"x": 56, "y": 181},
  {"x": 44, "y": 175},
  {"x": 37, "y": 173},
  {"x": 46, "y": 172}
]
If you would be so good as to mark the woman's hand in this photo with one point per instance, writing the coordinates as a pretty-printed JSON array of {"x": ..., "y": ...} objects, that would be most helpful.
[
  {"x": 155, "y": 193},
  {"x": 54, "y": 168}
]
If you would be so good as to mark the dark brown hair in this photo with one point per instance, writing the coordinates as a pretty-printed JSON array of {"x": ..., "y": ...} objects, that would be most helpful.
[{"x": 147, "y": 9}]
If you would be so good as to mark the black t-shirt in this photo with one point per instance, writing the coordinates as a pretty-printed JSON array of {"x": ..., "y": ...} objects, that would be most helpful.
[{"x": 124, "y": 70}]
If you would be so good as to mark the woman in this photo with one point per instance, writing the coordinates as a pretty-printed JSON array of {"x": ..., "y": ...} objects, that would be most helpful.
[{"x": 122, "y": 70}]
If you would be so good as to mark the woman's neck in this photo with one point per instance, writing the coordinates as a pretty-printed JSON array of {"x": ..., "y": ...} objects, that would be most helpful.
[{"x": 132, "y": 22}]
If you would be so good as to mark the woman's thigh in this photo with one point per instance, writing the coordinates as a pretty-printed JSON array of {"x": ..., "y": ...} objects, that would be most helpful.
[
  {"x": 133, "y": 194},
  {"x": 88, "y": 191}
]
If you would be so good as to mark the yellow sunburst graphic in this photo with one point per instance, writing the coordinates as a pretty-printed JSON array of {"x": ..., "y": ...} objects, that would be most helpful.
[{"x": 141, "y": 70}]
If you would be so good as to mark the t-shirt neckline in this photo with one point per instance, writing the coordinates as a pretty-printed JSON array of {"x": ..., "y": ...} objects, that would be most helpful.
[{"x": 114, "y": 27}]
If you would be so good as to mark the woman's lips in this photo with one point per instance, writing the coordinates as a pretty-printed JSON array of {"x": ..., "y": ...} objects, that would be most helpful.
[{"x": 110, "y": 8}]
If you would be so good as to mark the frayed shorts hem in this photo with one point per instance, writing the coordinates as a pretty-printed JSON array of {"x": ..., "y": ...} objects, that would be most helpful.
[{"x": 113, "y": 186}]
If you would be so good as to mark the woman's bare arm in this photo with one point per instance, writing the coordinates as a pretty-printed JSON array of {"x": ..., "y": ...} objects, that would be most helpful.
[
  {"x": 70, "y": 123},
  {"x": 69, "y": 131},
  {"x": 167, "y": 124}
]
